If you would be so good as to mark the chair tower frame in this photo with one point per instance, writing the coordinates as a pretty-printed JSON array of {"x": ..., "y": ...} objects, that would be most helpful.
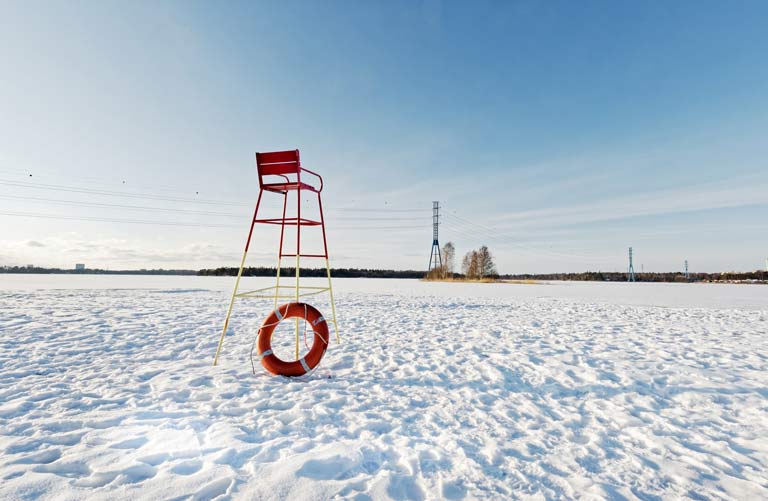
[{"x": 286, "y": 167}]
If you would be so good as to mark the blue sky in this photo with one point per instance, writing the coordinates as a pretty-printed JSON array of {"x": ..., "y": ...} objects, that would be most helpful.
[{"x": 556, "y": 133}]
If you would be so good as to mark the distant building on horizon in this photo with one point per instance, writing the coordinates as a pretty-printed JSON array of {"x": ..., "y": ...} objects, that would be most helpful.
[{"x": 79, "y": 267}]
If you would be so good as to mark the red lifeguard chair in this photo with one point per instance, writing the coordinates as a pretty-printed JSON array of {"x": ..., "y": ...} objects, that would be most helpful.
[{"x": 280, "y": 172}]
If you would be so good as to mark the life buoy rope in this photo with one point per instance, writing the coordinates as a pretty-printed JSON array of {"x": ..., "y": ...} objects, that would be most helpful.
[{"x": 263, "y": 341}]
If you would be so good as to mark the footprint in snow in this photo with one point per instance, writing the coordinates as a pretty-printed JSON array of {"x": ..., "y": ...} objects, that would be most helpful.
[
  {"x": 213, "y": 489},
  {"x": 202, "y": 381},
  {"x": 148, "y": 375},
  {"x": 402, "y": 487},
  {"x": 454, "y": 490},
  {"x": 133, "y": 443},
  {"x": 74, "y": 469},
  {"x": 187, "y": 467},
  {"x": 42, "y": 457},
  {"x": 332, "y": 468},
  {"x": 154, "y": 459},
  {"x": 138, "y": 473}
]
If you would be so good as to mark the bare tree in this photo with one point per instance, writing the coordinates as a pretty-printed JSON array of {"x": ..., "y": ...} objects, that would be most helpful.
[
  {"x": 449, "y": 255},
  {"x": 469, "y": 265},
  {"x": 485, "y": 264}
]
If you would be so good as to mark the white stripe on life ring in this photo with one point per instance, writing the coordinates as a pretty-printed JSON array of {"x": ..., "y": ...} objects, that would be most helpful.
[
  {"x": 304, "y": 364},
  {"x": 279, "y": 315},
  {"x": 320, "y": 319},
  {"x": 266, "y": 353}
]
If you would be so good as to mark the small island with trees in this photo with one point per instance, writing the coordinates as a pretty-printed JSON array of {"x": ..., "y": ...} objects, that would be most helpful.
[{"x": 476, "y": 266}]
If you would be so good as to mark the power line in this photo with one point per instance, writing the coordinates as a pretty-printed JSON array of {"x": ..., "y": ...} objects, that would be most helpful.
[
  {"x": 163, "y": 198},
  {"x": 362, "y": 228},
  {"x": 167, "y": 198},
  {"x": 183, "y": 211},
  {"x": 104, "y": 184},
  {"x": 464, "y": 226},
  {"x": 343, "y": 218},
  {"x": 90, "y": 191},
  {"x": 121, "y": 206},
  {"x": 467, "y": 229},
  {"x": 482, "y": 231},
  {"x": 180, "y": 223},
  {"x": 474, "y": 223},
  {"x": 351, "y": 209},
  {"x": 475, "y": 226},
  {"x": 113, "y": 220},
  {"x": 471, "y": 231},
  {"x": 100, "y": 182},
  {"x": 460, "y": 233}
]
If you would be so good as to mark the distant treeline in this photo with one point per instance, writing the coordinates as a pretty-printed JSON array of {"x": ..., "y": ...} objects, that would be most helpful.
[
  {"x": 91, "y": 271},
  {"x": 602, "y": 276},
  {"x": 593, "y": 276},
  {"x": 314, "y": 272}
]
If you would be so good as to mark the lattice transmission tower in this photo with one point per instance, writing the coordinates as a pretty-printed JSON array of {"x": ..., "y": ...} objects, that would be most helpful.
[
  {"x": 631, "y": 273},
  {"x": 435, "y": 258},
  {"x": 687, "y": 275}
]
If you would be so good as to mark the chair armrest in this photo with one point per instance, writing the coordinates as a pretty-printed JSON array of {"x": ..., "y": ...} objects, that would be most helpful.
[
  {"x": 316, "y": 175},
  {"x": 287, "y": 180}
]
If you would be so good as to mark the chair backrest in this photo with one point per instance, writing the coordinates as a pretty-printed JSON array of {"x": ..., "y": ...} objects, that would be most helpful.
[{"x": 277, "y": 163}]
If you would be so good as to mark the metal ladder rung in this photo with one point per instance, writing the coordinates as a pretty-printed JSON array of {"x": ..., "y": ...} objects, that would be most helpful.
[
  {"x": 289, "y": 221},
  {"x": 304, "y": 290}
]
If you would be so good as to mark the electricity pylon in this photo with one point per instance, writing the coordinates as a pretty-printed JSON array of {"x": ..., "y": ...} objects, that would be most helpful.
[
  {"x": 631, "y": 273},
  {"x": 435, "y": 257}
]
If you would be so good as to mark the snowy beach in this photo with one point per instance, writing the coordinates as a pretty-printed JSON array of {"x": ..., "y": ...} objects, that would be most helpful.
[{"x": 437, "y": 391}]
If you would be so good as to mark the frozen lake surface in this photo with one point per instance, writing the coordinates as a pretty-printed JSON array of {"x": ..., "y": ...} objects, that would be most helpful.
[{"x": 438, "y": 391}]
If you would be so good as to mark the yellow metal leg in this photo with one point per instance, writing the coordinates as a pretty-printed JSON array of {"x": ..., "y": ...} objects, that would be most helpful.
[
  {"x": 297, "y": 338},
  {"x": 280, "y": 251},
  {"x": 279, "y": 260},
  {"x": 297, "y": 300},
  {"x": 333, "y": 306},
  {"x": 229, "y": 310}
]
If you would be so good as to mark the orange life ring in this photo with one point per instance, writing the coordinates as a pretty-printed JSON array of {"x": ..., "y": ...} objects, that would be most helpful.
[{"x": 319, "y": 344}]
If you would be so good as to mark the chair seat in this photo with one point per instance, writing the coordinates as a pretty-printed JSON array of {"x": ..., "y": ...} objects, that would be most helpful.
[{"x": 283, "y": 187}]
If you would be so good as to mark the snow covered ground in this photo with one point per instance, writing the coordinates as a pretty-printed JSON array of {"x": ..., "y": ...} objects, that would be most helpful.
[{"x": 438, "y": 391}]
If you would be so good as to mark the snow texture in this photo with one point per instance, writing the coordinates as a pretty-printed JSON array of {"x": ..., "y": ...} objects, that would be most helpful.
[{"x": 438, "y": 391}]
